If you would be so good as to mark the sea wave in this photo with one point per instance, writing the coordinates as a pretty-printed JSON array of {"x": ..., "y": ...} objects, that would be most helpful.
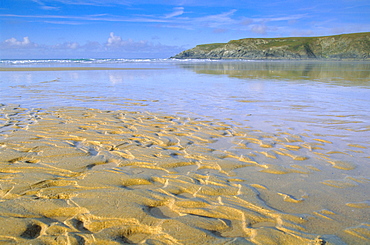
[
  {"x": 4, "y": 62},
  {"x": 73, "y": 61}
]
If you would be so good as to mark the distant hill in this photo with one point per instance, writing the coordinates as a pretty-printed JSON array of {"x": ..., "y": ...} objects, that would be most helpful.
[{"x": 354, "y": 46}]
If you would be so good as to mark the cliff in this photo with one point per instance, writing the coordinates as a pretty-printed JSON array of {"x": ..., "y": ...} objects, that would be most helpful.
[{"x": 354, "y": 46}]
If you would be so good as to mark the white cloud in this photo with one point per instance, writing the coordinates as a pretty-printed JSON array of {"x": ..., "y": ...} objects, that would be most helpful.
[
  {"x": 116, "y": 42},
  {"x": 217, "y": 20},
  {"x": 115, "y": 46},
  {"x": 64, "y": 22},
  {"x": 44, "y": 6},
  {"x": 66, "y": 46},
  {"x": 85, "y": 2},
  {"x": 178, "y": 11},
  {"x": 14, "y": 43},
  {"x": 176, "y": 19},
  {"x": 259, "y": 29},
  {"x": 73, "y": 45}
]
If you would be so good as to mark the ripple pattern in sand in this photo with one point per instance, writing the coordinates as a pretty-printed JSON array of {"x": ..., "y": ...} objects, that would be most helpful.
[{"x": 86, "y": 176}]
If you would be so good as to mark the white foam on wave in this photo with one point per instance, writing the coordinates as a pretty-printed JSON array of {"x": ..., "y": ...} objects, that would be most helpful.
[
  {"x": 6, "y": 62},
  {"x": 74, "y": 61}
]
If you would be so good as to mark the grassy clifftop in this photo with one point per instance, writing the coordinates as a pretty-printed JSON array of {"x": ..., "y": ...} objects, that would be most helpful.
[{"x": 354, "y": 46}]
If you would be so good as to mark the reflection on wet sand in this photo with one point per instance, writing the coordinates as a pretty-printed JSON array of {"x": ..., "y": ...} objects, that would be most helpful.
[{"x": 347, "y": 73}]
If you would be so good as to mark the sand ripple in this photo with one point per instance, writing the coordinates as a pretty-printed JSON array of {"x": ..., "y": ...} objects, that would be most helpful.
[{"x": 86, "y": 176}]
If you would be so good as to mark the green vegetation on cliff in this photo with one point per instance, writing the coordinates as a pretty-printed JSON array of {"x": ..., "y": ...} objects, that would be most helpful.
[{"x": 354, "y": 46}]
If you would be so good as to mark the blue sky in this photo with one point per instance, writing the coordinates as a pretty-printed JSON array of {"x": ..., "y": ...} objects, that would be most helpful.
[{"x": 159, "y": 29}]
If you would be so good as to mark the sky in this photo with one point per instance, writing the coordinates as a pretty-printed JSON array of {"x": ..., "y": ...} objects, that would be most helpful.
[{"x": 46, "y": 29}]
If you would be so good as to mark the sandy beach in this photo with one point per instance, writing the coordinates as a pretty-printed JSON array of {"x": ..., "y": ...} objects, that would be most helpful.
[
  {"x": 169, "y": 152},
  {"x": 87, "y": 176},
  {"x": 184, "y": 122}
]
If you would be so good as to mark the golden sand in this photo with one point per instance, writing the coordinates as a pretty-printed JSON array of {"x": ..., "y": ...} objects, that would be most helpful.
[{"x": 87, "y": 176}]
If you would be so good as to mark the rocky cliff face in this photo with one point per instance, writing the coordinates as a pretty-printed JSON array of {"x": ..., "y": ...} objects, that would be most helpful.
[{"x": 347, "y": 46}]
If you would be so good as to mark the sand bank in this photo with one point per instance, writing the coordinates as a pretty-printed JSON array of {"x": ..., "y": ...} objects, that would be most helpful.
[{"x": 87, "y": 176}]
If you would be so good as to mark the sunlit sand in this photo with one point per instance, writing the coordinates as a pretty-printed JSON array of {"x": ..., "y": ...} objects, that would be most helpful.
[{"x": 86, "y": 176}]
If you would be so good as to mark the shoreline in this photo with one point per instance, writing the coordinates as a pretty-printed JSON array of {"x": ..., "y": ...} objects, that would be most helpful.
[{"x": 70, "y": 68}]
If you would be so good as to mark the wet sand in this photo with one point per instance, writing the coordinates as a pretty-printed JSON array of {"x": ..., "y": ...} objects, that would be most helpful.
[{"x": 78, "y": 175}]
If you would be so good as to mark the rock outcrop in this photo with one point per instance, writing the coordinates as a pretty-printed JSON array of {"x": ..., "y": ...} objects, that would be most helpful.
[{"x": 354, "y": 46}]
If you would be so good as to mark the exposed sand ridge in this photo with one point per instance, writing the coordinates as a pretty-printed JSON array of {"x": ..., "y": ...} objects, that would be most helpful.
[{"x": 88, "y": 176}]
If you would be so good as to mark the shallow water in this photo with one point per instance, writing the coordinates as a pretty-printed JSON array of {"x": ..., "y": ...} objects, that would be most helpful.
[
  {"x": 330, "y": 97},
  {"x": 303, "y": 128}
]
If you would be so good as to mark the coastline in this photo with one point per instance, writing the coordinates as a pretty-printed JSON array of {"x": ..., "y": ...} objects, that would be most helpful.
[{"x": 346, "y": 46}]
